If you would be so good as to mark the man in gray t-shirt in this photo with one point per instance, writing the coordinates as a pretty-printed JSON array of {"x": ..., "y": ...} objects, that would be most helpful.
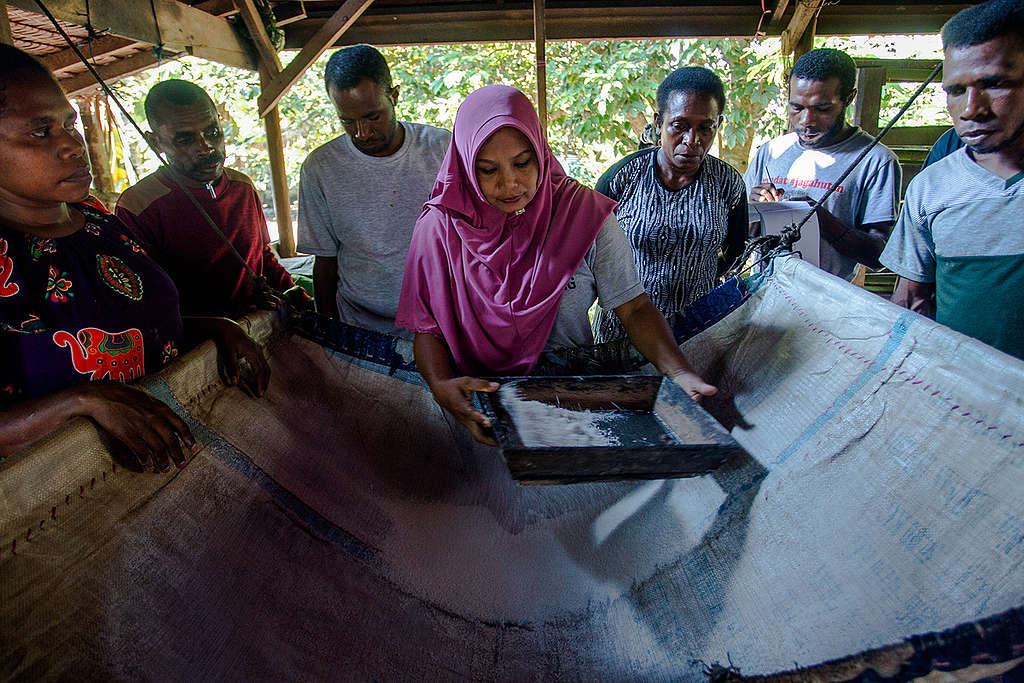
[
  {"x": 856, "y": 219},
  {"x": 361, "y": 193}
]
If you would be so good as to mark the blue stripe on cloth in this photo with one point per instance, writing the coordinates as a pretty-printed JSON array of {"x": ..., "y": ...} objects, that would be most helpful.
[
  {"x": 896, "y": 336},
  {"x": 242, "y": 464}
]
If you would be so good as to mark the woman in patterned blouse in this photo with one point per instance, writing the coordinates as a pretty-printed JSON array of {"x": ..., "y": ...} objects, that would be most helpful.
[
  {"x": 685, "y": 212},
  {"x": 83, "y": 309}
]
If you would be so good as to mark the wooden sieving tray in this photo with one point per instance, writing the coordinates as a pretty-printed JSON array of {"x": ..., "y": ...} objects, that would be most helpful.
[{"x": 572, "y": 429}]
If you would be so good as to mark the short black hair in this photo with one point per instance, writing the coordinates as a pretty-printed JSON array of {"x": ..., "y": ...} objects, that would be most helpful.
[
  {"x": 693, "y": 79},
  {"x": 824, "y": 63},
  {"x": 349, "y": 65},
  {"x": 15, "y": 63},
  {"x": 173, "y": 91},
  {"x": 984, "y": 22}
]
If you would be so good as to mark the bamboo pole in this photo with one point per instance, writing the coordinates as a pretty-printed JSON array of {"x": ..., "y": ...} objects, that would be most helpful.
[
  {"x": 279, "y": 178},
  {"x": 96, "y": 143},
  {"x": 542, "y": 72}
]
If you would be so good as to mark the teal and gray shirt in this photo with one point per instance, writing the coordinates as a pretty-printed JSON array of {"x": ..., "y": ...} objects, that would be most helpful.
[{"x": 962, "y": 228}]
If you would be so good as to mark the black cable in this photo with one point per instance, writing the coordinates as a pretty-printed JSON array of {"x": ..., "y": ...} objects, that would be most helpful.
[
  {"x": 784, "y": 241},
  {"x": 260, "y": 284},
  {"x": 849, "y": 170}
]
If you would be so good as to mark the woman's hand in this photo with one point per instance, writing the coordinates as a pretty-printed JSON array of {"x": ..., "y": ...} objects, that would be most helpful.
[
  {"x": 651, "y": 335},
  {"x": 454, "y": 395},
  {"x": 233, "y": 346},
  {"x": 692, "y": 383},
  {"x": 150, "y": 430}
]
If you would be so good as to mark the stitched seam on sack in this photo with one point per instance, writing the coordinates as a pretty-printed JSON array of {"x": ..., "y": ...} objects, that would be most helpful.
[{"x": 955, "y": 406}]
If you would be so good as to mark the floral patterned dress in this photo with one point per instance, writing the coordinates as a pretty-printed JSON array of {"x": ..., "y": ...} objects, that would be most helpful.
[{"x": 88, "y": 306}]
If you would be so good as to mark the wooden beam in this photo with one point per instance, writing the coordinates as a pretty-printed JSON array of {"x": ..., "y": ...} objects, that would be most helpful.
[
  {"x": 325, "y": 36},
  {"x": 868, "y": 104},
  {"x": 507, "y": 24},
  {"x": 804, "y": 13},
  {"x": 59, "y": 62},
  {"x": 844, "y": 19},
  {"x": 914, "y": 136},
  {"x": 218, "y": 8},
  {"x": 270, "y": 63},
  {"x": 806, "y": 42},
  {"x": 780, "y": 9},
  {"x": 901, "y": 70},
  {"x": 541, "y": 65},
  {"x": 5, "y": 27},
  {"x": 174, "y": 25},
  {"x": 84, "y": 82},
  {"x": 289, "y": 12}
]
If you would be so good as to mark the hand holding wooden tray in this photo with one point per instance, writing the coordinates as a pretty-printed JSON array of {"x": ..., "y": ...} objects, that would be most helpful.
[{"x": 563, "y": 430}]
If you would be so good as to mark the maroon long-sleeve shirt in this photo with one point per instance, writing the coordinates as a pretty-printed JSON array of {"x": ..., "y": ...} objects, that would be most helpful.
[{"x": 209, "y": 278}]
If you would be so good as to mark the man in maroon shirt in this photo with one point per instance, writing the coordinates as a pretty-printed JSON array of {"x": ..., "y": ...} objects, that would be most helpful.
[{"x": 211, "y": 280}]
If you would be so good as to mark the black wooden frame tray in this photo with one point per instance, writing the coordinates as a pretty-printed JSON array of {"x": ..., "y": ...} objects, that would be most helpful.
[{"x": 667, "y": 434}]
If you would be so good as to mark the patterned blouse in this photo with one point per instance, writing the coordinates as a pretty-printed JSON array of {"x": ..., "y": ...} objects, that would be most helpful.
[
  {"x": 88, "y": 306},
  {"x": 676, "y": 234}
]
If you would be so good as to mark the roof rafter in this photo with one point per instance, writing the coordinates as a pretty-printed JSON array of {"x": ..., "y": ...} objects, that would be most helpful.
[
  {"x": 84, "y": 82},
  {"x": 173, "y": 25},
  {"x": 803, "y": 14},
  {"x": 60, "y": 62},
  {"x": 324, "y": 38}
]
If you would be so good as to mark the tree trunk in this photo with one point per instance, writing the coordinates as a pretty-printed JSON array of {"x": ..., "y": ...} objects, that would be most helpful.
[
  {"x": 737, "y": 156},
  {"x": 99, "y": 155}
]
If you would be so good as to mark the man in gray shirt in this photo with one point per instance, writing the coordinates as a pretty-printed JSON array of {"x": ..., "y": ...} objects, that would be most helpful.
[
  {"x": 960, "y": 236},
  {"x": 856, "y": 219},
  {"x": 361, "y": 193}
]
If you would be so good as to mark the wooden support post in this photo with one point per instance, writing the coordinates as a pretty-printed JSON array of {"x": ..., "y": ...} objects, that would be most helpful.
[
  {"x": 279, "y": 178},
  {"x": 270, "y": 68},
  {"x": 282, "y": 207},
  {"x": 542, "y": 65},
  {"x": 5, "y": 27},
  {"x": 868, "y": 104}
]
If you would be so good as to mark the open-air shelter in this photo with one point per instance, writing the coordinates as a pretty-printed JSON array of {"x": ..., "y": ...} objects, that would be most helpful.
[
  {"x": 340, "y": 527},
  {"x": 123, "y": 37}
]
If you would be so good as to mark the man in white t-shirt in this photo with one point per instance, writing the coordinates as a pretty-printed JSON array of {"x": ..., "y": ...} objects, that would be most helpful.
[
  {"x": 856, "y": 219},
  {"x": 361, "y": 193}
]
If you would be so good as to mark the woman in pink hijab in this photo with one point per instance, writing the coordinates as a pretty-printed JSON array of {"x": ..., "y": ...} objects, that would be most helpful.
[{"x": 508, "y": 256}]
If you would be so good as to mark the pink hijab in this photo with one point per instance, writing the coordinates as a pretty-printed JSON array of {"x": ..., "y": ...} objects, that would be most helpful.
[{"x": 489, "y": 282}]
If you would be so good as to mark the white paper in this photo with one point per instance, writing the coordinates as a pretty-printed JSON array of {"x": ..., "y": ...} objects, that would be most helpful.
[{"x": 776, "y": 216}]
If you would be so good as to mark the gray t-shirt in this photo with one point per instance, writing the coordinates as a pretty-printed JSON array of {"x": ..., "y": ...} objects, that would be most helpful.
[
  {"x": 870, "y": 194},
  {"x": 960, "y": 228},
  {"x": 608, "y": 273},
  {"x": 361, "y": 210}
]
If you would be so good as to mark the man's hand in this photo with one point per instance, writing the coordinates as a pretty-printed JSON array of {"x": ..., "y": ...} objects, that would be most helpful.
[
  {"x": 454, "y": 396},
  {"x": 766, "y": 193},
  {"x": 233, "y": 346},
  {"x": 297, "y": 299},
  {"x": 150, "y": 430}
]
